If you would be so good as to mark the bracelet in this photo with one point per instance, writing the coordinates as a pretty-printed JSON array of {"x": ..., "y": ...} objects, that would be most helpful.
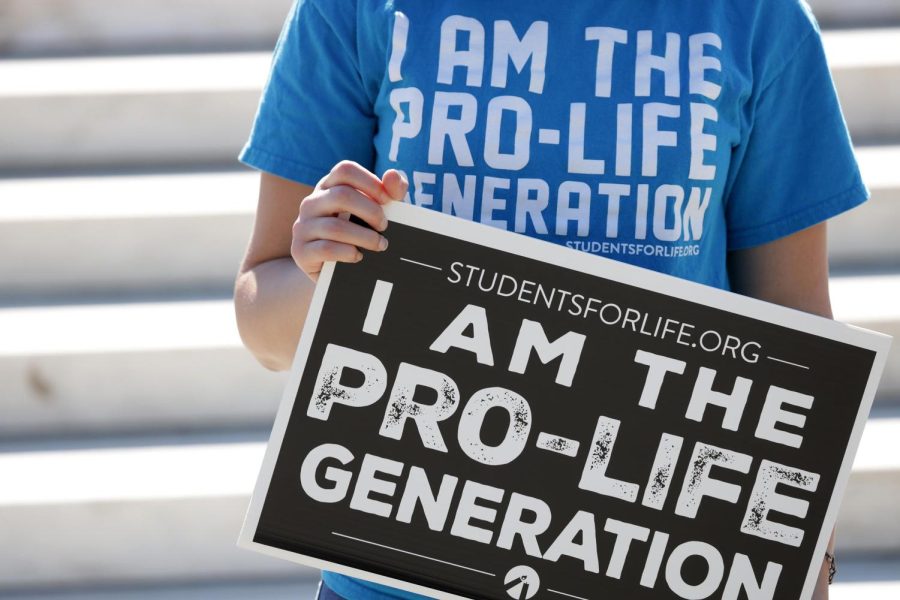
[{"x": 832, "y": 566}]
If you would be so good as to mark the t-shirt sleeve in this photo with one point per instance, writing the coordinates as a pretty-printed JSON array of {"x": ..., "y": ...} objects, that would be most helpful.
[
  {"x": 314, "y": 110},
  {"x": 796, "y": 167}
]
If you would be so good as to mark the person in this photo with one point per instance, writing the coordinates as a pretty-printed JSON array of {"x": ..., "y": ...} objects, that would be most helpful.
[{"x": 699, "y": 139}]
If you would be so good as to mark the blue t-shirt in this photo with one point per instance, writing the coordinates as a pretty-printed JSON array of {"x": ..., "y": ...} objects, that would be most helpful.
[{"x": 663, "y": 134}]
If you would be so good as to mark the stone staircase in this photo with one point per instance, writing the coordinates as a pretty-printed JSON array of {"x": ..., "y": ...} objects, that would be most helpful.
[{"x": 132, "y": 421}]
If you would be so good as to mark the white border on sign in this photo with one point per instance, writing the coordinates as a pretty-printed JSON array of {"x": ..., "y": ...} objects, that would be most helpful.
[{"x": 560, "y": 256}]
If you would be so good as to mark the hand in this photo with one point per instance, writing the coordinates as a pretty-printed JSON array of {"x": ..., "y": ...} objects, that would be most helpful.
[{"x": 322, "y": 231}]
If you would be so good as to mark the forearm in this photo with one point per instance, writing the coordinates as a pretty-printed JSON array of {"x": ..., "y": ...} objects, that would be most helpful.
[
  {"x": 271, "y": 301},
  {"x": 298, "y": 228}
]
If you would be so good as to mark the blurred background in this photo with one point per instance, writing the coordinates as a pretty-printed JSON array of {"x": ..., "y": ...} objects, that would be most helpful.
[{"x": 132, "y": 421}]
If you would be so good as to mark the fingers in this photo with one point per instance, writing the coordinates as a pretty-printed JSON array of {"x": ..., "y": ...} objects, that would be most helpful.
[
  {"x": 343, "y": 199},
  {"x": 310, "y": 256},
  {"x": 320, "y": 233},
  {"x": 356, "y": 176},
  {"x": 339, "y": 230},
  {"x": 395, "y": 184}
]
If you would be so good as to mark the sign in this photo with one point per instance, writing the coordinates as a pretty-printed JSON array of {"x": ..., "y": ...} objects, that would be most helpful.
[{"x": 478, "y": 414}]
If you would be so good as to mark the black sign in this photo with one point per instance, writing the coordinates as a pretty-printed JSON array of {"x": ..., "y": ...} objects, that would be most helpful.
[{"x": 476, "y": 414}]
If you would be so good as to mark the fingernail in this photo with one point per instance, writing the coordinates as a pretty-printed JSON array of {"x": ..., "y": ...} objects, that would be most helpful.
[
  {"x": 359, "y": 256},
  {"x": 384, "y": 225},
  {"x": 382, "y": 244}
]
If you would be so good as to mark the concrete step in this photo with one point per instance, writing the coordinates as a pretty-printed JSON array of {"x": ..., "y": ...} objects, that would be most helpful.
[
  {"x": 205, "y": 218},
  {"x": 859, "y": 578},
  {"x": 866, "y": 68},
  {"x": 170, "y": 510},
  {"x": 189, "y": 109},
  {"x": 90, "y": 236},
  {"x": 274, "y": 589},
  {"x": 870, "y": 590},
  {"x": 839, "y": 13},
  {"x": 131, "y": 366},
  {"x": 867, "y": 236},
  {"x": 869, "y": 520},
  {"x": 165, "y": 512},
  {"x": 136, "y": 366},
  {"x": 873, "y": 302},
  {"x": 29, "y": 27},
  {"x": 128, "y": 110}
]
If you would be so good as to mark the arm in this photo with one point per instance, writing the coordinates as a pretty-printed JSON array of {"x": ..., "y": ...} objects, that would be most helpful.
[
  {"x": 793, "y": 272},
  {"x": 271, "y": 294},
  {"x": 297, "y": 229}
]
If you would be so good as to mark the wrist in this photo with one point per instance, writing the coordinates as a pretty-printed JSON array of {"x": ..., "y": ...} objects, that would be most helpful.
[{"x": 832, "y": 566}]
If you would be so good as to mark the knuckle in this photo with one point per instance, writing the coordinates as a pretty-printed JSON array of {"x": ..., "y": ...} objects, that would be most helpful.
[
  {"x": 341, "y": 252},
  {"x": 311, "y": 248},
  {"x": 372, "y": 239},
  {"x": 317, "y": 247},
  {"x": 299, "y": 254},
  {"x": 361, "y": 206},
  {"x": 341, "y": 193},
  {"x": 298, "y": 227},
  {"x": 329, "y": 249},
  {"x": 330, "y": 228},
  {"x": 313, "y": 255},
  {"x": 299, "y": 243},
  {"x": 377, "y": 211},
  {"x": 344, "y": 167},
  {"x": 308, "y": 205}
]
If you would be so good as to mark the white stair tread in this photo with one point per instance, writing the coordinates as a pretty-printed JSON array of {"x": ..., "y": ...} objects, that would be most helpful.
[
  {"x": 880, "y": 165},
  {"x": 879, "y": 449},
  {"x": 862, "y": 48},
  {"x": 62, "y": 26},
  {"x": 158, "y": 472},
  {"x": 210, "y": 323},
  {"x": 870, "y": 590},
  {"x": 225, "y": 192},
  {"x": 229, "y": 469},
  {"x": 118, "y": 327},
  {"x": 128, "y": 196},
  {"x": 141, "y": 473},
  {"x": 866, "y": 298},
  {"x": 157, "y": 74},
  {"x": 866, "y": 12},
  {"x": 248, "y": 70}
]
